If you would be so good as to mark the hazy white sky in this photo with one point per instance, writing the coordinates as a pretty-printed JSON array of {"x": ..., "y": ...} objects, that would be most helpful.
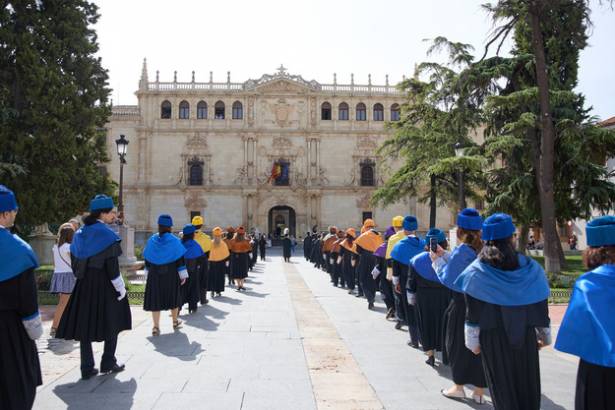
[{"x": 312, "y": 38}]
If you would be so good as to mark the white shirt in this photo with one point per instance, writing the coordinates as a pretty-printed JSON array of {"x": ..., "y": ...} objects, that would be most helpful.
[{"x": 61, "y": 258}]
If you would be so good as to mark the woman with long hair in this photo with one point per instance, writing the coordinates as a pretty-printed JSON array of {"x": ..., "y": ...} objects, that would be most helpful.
[
  {"x": 588, "y": 328},
  {"x": 240, "y": 252},
  {"x": 98, "y": 308},
  {"x": 166, "y": 273},
  {"x": 218, "y": 262},
  {"x": 63, "y": 280},
  {"x": 467, "y": 367},
  {"x": 195, "y": 264},
  {"x": 430, "y": 297},
  {"x": 507, "y": 316}
]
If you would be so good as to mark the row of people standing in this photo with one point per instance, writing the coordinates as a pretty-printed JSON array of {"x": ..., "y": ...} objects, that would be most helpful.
[{"x": 483, "y": 304}]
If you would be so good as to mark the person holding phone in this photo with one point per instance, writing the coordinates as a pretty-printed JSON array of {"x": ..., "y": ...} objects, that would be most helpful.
[{"x": 427, "y": 293}]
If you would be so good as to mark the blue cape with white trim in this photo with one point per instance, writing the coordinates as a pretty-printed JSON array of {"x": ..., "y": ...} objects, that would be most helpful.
[
  {"x": 422, "y": 265},
  {"x": 524, "y": 286},
  {"x": 461, "y": 257},
  {"x": 407, "y": 248},
  {"x": 90, "y": 240},
  {"x": 193, "y": 249},
  {"x": 16, "y": 255},
  {"x": 164, "y": 249},
  {"x": 588, "y": 327}
]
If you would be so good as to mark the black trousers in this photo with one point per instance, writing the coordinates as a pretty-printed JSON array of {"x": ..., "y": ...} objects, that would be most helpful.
[{"x": 108, "y": 357}]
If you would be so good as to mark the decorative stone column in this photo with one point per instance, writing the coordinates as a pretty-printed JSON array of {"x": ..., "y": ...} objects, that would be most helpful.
[{"x": 42, "y": 241}]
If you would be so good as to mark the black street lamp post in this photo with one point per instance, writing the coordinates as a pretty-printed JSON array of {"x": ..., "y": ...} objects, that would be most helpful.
[
  {"x": 459, "y": 153},
  {"x": 122, "y": 146}
]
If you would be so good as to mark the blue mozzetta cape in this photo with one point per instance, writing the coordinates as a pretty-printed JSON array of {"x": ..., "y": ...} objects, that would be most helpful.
[
  {"x": 460, "y": 258},
  {"x": 524, "y": 286},
  {"x": 405, "y": 249},
  {"x": 16, "y": 255},
  {"x": 90, "y": 240},
  {"x": 164, "y": 249},
  {"x": 588, "y": 328},
  {"x": 193, "y": 249},
  {"x": 422, "y": 265}
]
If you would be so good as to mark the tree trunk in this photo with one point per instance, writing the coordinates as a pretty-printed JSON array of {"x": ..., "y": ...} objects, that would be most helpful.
[
  {"x": 523, "y": 237},
  {"x": 433, "y": 206},
  {"x": 547, "y": 146}
]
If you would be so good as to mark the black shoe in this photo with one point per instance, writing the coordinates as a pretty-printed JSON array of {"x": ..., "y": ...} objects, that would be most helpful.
[
  {"x": 359, "y": 295},
  {"x": 370, "y": 305},
  {"x": 413, "y": 344},
  {"x": 431, "y": 361},
  {"x": 350, "y": 292},
  {"x": 390, "y": 313},
  {"x": 88, "y": 374},
  {"x": 115, "y": 369},
  {"x": 398, "y": 326}
]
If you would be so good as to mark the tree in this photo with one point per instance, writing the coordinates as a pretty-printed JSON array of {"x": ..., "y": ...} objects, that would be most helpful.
[
  {"x": 53, "y": 107},
  {"x": 539, "y": 27},
  {"x": 436, "y": 116}
]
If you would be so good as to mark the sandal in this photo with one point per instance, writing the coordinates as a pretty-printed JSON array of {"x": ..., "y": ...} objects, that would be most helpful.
[
  {"x": 155, "y": 331},
  {"x": 52, "y": 332},
  {"x": 460, "y": 395},
  {"x": 177, "y": 324},
  {"x": 478, "y": 399}
]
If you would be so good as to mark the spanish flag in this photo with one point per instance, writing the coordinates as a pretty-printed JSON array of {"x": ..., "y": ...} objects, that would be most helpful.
[{"x": 276, "y": 171}]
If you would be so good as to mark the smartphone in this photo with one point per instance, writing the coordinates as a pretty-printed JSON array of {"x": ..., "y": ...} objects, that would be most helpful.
[{"x": 433, "y": 244}]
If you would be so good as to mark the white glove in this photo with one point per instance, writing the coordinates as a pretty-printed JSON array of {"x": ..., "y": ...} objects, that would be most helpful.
[
  {"x": 183, "y": 273},
  {"x": 472, "y": 334},
  {"x": 353, "y": 262},
  {"x": 543, "y": 334},
  {"x": 120, "y": 286},
  {"x": 411, "y": 298},
  {"x": 339, "y": 260},
  {"x": 375, "y": 272},
  {"x": 33, "y": 326},
  {"x": 395, "y": 280},
  {"x": 227, "y": 264}
]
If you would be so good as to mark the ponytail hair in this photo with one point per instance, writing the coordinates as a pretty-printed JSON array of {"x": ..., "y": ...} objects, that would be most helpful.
[
  {"x": 470, "y": 238},
  {"x": 500, "y": 253}
]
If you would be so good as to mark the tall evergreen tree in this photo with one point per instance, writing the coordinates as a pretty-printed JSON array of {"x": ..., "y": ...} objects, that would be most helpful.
[{"x": 53, "y": 107}]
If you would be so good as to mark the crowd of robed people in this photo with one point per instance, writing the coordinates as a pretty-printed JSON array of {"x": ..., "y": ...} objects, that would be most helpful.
[{"x": 483, "y": 305}]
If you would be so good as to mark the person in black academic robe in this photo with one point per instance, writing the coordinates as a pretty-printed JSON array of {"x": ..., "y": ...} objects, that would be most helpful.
[
  {"x": 367, "y": 243},
  {"x": 588, "y": 327},
  {"x": 307, "y": 246},
  {"x": 240, "y": 254},
  {"x": 507, "y": 317},
  {"x": 98, "y": 309},
  {"x": 253, "y": 253},
  {"x": 336, "y": 266},
  {"x": 262, "y": 246},
  {"x": 349, "y": 259},
  {"x": 230, "y": 232},
  {"x": 20, "y": 321},
  {"x": 166, "y": 273},
  {"x": 195, "y": 264},
  {"x": 430, "y": 297},
  {"x": 218, "y": 262},
  {"x": 286, "y": 248},
  {"x": 467, "y": 368}
]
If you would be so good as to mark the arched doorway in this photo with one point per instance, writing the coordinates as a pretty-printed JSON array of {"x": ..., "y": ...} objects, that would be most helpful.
[{"x": 281, "y": 217}]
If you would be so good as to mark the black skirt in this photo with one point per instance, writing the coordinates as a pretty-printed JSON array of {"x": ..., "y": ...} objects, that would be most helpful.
[
  {"x": 20, "y": 370},
  {"x": 467, "y": 368},
  {"x": 239, "y": 265},
  {"x": 217, "y": 270},
  {"x": 93, "y": 313},
  {"x": 595, "y": 387},
  {"x": 513, "y": 375},
  {"x": 431, "y": 303},
  {"x": 162, "y": 289}
]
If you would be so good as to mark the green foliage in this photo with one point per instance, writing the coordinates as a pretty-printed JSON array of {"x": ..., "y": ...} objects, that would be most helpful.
[
  {"x": 438, "y": 114},
  {"x": 53, "y": 108}
]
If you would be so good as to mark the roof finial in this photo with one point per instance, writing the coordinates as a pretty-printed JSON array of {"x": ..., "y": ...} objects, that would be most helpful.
[
  {"x": 369, "y": 79},
  {"x": 387, "y": 80},
  {"x": 282, "y": 70},
  {"x": 352, "y": 78},
  {"x": 192, "y": 75},
  {"x": 334, "y": 78},
  {"x": 175, "y": 76},
  {"x": 143, "y": 81}
]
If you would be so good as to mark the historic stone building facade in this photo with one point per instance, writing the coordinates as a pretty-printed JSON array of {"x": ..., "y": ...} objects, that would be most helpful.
[{"x": 210, "y": 148}]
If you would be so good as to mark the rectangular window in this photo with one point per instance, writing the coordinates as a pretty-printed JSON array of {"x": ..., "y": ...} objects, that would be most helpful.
[
  {"x": 367, "y": 215},
  {"x": 343, "y": 114},
  {"x": 361, "y": 115},
  {"x": 194, "y": 213}
]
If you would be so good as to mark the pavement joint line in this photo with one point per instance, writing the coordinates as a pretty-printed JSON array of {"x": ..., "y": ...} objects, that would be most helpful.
[{"x": 328, "y": 358}]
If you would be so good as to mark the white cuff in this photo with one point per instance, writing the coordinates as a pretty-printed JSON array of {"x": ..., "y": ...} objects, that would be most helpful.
[
  {"x": 183, "y": 272},
  {"x": 411, "y": 298},
  {"x": 395, "y": 280},
  {"x": 543, "y": 334},
  {"x": 472, "y": 334},
  {"x": 440, "y": 263},
  {"x": 118, "y": 283},
  {"x": 33, "y": 326}
]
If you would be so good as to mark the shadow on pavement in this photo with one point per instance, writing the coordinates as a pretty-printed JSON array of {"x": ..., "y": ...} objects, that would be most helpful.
[
  {"x": 229, "y": 300},
  {"x": 61, "y": 347},
  {"x": 119, "y": 395},
  {"x": 201, "y": 318},
  {"x": 176, "y": 345},
  {"x": 548, "y": 404}
]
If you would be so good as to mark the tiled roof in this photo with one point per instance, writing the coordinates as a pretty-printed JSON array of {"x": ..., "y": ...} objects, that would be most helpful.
[{"x": 609, "y": 122}]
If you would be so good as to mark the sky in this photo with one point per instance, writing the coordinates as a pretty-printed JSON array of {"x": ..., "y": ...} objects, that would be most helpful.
[{"x": 313, "y": 38}]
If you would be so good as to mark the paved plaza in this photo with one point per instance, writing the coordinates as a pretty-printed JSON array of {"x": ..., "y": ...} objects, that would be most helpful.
[{"x": 292, "y": 341}]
